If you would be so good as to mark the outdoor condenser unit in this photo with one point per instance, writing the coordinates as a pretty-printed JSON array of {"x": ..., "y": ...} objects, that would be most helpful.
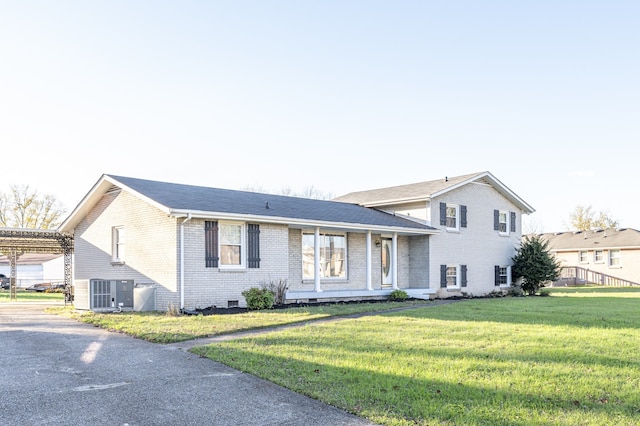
[{"x": 110, "y": 294}]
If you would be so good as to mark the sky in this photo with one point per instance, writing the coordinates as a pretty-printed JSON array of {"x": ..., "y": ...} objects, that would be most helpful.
[{"x": 340, "y": 96}]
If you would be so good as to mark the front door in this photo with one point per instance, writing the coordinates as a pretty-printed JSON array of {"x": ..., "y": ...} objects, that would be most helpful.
[{"x": 387, "y": 263}]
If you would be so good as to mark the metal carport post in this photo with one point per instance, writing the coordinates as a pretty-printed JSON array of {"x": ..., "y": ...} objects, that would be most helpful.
[{"x": 16, "y": 241}]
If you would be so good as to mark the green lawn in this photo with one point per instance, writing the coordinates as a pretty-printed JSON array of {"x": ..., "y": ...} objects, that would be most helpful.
[
  {"x": 569, "y": 359},
  {"x": 159, "y": 327},
  {"x": 31, "y": 296}
]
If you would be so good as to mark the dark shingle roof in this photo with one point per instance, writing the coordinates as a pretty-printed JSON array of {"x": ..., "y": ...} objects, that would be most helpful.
[
  {"x": 589, "y": 240},
  {"x": 189, "y": 198},
  {"x": 423, "y": 191},
  {"x": 420, "y": 190}
]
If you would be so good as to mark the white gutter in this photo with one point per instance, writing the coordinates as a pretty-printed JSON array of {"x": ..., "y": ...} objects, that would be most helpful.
[
  {"x": 182, "y": 260},
  {"x": 304, "y": 222}
]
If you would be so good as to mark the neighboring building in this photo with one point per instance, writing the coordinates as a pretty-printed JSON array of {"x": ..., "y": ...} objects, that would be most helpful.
[
  {"x": 203, "y": 246},
  {"x": 609, "y": 252},
  {"x": 34, "y": 268}
]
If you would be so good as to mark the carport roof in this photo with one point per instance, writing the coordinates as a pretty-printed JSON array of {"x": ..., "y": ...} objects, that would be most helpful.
[{"x": 34, "y": 241}]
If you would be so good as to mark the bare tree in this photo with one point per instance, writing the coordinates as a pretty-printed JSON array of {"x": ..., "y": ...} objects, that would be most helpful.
[
  {"x": 26, "y": 208},
  {"x": 583, "y": 218},
  {"x": 308, "y": 192},
  {"x": 315, "y": 193},
  {"x": 531, "y": 225}
]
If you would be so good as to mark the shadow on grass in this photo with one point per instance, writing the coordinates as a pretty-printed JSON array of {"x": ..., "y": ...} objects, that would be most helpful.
[{"x": 389, "y": 398}]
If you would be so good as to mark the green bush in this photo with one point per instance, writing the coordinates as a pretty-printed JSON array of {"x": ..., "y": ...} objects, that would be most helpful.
[
  {"x": 515, "y": 291},
  {"x": 398, "y": 295},
  {"x": 259, "y": 298}
]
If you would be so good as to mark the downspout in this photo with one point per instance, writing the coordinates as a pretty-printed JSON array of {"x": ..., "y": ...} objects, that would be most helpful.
[
  {"x": 368, "y": 261},
  {"x": 182, "y": 260}
]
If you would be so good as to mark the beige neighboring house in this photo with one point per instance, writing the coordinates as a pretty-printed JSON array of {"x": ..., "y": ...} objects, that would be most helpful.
[{"x": 598, "y": 254}]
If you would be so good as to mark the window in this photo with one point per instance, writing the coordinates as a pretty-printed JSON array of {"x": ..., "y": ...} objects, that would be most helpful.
[
  {"x": 453, "y": 276},
  {"x": 231, "y": 245},
  {"x": 598, "y": 256},
  {"x": 502, "y": 275},
  {"x": 117, "y": 244},
  {"x": 333, "y": 256},
  {"x": 614, "y": 259},
  {"x": 583, "y": 256},
  {"x": 504, "y": 221},
  {"x": 453, "y": 216}
]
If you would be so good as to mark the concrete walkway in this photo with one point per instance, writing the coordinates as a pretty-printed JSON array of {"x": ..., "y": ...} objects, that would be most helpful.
[
  {"x": 186, "y": 345},
  {"x": 57, "y": 371}
]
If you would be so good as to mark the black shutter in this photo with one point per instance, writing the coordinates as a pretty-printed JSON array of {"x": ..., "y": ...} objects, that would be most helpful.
[
  {"x": 463, "y": 275},
  {"x": 496, "y": 275},
  {"x": 512, "y": 221},
  {"x": 496, "y": 220},
  {"x": 443, "y": 214},
  {"x": 253, "y": 243},
  {"x": 443, "y": 276},
  {"x": 211, "y": 243},
  {"x": 463, "y": 216}
]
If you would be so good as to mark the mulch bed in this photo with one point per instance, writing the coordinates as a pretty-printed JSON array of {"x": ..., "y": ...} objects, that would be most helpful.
[{"x": 213, "y": 310}]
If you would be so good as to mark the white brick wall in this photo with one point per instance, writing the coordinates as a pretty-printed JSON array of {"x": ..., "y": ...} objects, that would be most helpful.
[
  {"x": 478, "y": 246},
  {"x": 150, "y": 245},
  {"x": 206, "y": 287}
]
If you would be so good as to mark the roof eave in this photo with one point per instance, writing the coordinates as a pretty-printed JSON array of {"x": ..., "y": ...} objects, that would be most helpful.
[
  {"x": 395, "y": 201},
  {"x": 502, "y": 188},
  {"x": 302, "y": 223},
  {"x": 99, "y": 189}
]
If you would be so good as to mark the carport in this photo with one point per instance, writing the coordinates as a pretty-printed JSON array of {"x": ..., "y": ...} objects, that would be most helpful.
[{"x": 14, "y": 242}]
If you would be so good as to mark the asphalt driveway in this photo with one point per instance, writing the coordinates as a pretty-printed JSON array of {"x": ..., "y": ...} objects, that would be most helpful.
[{"x": 56, "y": 371}]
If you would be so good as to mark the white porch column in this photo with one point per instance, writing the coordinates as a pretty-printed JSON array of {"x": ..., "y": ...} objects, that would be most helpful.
[
  {"x": 369, "y": 286},
  {"x": 316, "y": 260},
  {"x": 394, "y": 262}
]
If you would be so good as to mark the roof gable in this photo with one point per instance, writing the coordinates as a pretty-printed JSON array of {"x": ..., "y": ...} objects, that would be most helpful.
[
  {"x": 182, "y": 200},
  {"x": 424, "y": 191}
]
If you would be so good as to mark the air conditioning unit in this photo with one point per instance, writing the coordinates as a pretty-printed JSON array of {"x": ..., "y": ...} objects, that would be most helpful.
[
  {"x": 81, "y": 294},
  {"x": 110, "y": 294}
]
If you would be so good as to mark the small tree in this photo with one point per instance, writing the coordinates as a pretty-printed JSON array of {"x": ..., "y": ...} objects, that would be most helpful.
[{"x": 534, "y": 264}]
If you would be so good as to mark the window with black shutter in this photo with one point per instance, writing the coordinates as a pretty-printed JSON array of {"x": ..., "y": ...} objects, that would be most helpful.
[
  {"x": 253, "y": 243},
  {"x": 443, "y": 276},
  {"x": 496, "y": 220},
  {"x": 211, "y": 243},
  {"x": 463, "y": 216},
  {"x": 463, "y": 275},
  {"x": 443, "y": 214},
  {"x": 496, "y": 275},
  {"x": 512, "y": 223}
]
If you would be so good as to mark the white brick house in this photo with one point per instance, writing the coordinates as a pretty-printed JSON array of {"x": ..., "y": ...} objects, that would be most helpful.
[
  {"x": 480, "y": 224},
  {"x": 202, "y": 246}
]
